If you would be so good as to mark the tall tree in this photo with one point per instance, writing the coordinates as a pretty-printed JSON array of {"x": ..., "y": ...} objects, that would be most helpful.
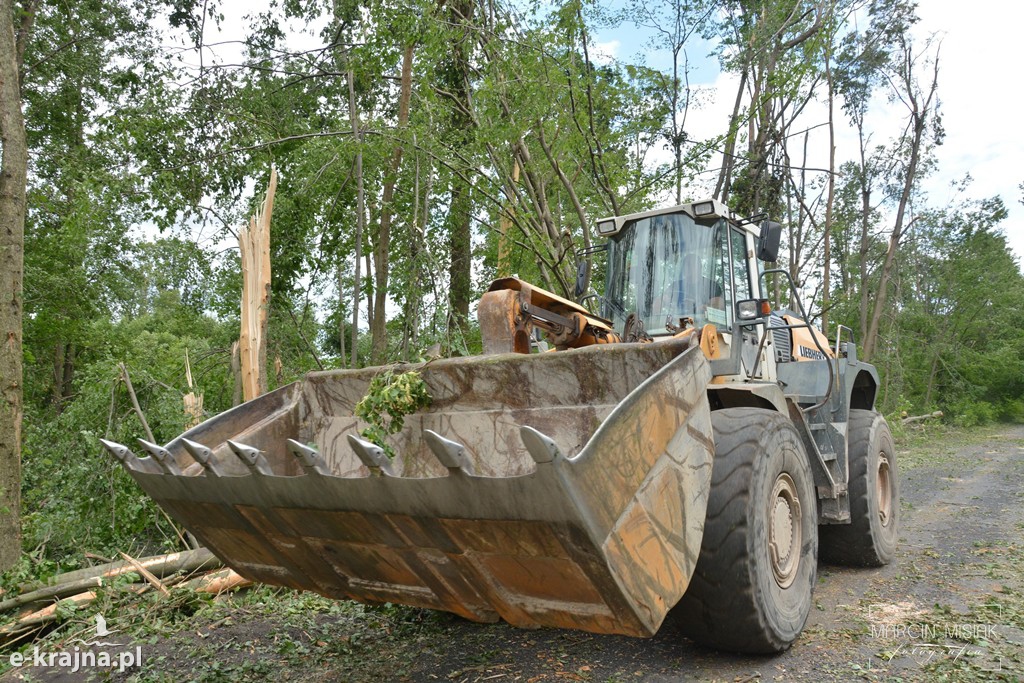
[
  {"x": 923, "y": 126},
  {"x": 13, "y": 185},
  {"x": 674, "y": 25},
  {"x": 767, "y": 45}
]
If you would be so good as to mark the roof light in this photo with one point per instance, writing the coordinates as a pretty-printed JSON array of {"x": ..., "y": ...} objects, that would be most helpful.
[{"x": 704, "y": 208}]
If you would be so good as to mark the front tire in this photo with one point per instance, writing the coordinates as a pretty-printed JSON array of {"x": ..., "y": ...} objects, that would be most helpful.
[
  {"x": 751, "y": 589},
  {"x": 870, "y": 539}
]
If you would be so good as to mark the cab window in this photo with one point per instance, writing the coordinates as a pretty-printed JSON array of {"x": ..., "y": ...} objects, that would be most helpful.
[{"x": 741, "y": 265}]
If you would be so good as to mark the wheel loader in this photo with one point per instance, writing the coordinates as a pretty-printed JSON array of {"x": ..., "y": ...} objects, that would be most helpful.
[{"x": 685, "y": 451}]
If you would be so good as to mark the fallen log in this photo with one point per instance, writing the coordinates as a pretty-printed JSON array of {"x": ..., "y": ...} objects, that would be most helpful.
[
  {"x": 159, "y": 565},
  {"x": 920, "y": 418},
  {"x": 214, "y": 582},
  {"x": 60, "y": 591},
  {"x": 217, "y": 582},
  {"x": 45, "y": 615}
]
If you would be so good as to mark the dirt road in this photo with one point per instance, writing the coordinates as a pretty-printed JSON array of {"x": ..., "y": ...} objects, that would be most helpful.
[
  {"x": 951, "y": 603},
  {"x": 951, "y": 606}
]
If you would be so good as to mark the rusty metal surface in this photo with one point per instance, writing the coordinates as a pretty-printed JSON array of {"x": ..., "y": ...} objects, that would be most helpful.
[
  {"x": 564, "y": 489},
  {"x": 510, "y": 309}
]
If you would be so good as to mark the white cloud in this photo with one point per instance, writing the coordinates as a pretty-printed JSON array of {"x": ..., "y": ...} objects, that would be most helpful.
[
  {"x": 980, "y": 102},
  {"x": 605, "y": 52}
]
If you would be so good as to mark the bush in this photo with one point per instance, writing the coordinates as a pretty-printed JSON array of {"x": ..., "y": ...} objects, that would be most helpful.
[
  {"x": 973, "y": 413},
  {"x": 1012, "y": 410}
]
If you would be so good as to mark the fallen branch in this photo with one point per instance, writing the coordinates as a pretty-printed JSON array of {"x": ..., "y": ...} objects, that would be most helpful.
[
  {"x": 186, "y": 539},
  {"x": 126, "y": 378},
  {"x": 49, "y": 592},
  {"x": 146, "y": 574},
  {"x": 159, "y": 565},
  {"x": 920, "y": 418},
  {"x": 31, "y": 622},
  {"x": 45, "y": 615}
]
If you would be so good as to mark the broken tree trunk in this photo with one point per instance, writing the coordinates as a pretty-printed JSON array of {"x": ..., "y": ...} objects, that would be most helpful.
[
  {"x": 126, "y": 378},
  {"x": 59, "y": 591},
  {"x": 45, "y": 615},
  {"x": 193, "y": 401},
  {"x": 218, "y": 582},
  {"x": 254, "y": 244}
]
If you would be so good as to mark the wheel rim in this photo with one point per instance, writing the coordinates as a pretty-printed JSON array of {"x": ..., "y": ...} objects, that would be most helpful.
[
  {"x": 784, "y": 530},
  {"x": 883, "y": 489}
]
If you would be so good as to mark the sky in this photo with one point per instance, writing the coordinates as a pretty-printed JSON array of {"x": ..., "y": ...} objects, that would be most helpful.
[{"x": 979, "y": 104}]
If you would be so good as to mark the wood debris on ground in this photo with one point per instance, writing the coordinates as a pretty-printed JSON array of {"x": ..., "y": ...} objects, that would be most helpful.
[{"x": 37, "y": 605}]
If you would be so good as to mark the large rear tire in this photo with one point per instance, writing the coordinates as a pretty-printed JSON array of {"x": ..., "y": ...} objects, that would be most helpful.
[
  {"x": 870, "y": 539},
  {"x": 751, "y": 589}
]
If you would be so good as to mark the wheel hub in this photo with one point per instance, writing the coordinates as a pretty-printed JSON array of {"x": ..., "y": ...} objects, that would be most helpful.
[
  {"x": 883, "y": 489},
  {"x": 784, "y": 530}
]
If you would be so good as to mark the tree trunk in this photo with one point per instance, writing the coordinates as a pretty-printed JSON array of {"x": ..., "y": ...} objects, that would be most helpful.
[
  {"x": 254, "y": 248},
  {"x": 865, "y": 225},
  {"x": 723, "y": 185},
  {"x": 341, "y": 319},
  {"x": 919, "y": 118},
  {"x": 58, "y": 377},
  {"x": 68, "y": 375},
  {"x": 13, "y": 181},
  {"x": 827, "y": 238},
  {"x": 378, "y": 333},
  {"x": 360, "y": 216},
  {"x": 461, "y": 208},
  {"x": 236, "y": 374},
  {"x": 459, "y": 244}
]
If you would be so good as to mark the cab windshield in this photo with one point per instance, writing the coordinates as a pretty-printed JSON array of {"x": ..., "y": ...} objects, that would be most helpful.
[{"x": 665, "y": 268}]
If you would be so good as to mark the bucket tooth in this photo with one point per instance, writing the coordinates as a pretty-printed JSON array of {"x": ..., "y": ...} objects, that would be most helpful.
[
  {"x": 122, "y": 454},
  {"x": 202, "y": 455},
  {"x": 371, "y": 454},
  {"x": 251, "y": 458},
  {"x": 542, "y": 447},
  {"x": 310, "y": 458},
  {"x": 162, "y": 456},
  {"x": 450, "y": 453}
]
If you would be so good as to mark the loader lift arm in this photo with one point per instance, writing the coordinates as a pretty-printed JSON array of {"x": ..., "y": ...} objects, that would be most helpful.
[{"x": 511, "y": 308}]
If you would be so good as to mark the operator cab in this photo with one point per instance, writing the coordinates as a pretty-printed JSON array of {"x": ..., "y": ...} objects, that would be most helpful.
[{"x": 692, "y": 261}]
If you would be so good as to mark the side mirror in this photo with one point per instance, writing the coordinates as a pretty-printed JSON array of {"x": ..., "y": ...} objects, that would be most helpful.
[
  {"x": 581, "y": 276},
  {"x": 768, "y": 241}
]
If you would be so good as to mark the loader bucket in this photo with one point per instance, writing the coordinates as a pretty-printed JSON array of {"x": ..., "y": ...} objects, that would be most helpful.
[{"x": 560, "y": 489}]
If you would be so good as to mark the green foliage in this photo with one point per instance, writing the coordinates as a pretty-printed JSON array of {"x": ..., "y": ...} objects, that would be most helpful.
[
  {"x": 390, "y": 397},
  {"x": 76, "y": 497},
  {"x": 973, "y": 413}
]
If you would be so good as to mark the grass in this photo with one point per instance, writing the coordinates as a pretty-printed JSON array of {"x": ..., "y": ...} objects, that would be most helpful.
[{"x": 937, "y": 443}]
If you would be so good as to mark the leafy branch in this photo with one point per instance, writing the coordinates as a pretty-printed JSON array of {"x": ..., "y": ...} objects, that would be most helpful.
[{"x": 389, "y": 398}]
